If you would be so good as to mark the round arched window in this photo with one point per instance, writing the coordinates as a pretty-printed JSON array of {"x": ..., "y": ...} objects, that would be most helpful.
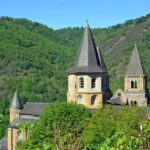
[{"x": 93, "y": 100}]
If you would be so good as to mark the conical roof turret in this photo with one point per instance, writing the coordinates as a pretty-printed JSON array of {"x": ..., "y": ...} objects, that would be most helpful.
[
  {"x": 16, "y": 101},
  {"x": 135, "y": 67},
  {"x": 89, "y": 58}
]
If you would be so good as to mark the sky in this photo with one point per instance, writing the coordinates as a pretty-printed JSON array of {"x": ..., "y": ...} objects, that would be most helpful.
[{"x": 74, "y": 13}]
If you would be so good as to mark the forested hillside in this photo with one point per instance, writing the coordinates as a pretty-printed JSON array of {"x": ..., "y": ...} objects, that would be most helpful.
[{"x": 34, "y": 58}]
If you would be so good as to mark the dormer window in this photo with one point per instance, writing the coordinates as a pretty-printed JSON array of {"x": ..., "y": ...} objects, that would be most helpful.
[
  {"x": 81, "y": 82},
  {"x": 93, "y": 83}
]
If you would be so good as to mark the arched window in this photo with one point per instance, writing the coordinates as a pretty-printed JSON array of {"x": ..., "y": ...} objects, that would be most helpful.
[
  {"x": 135, "y": 84},
  {"x": 93, "y": 84},
  {"x": 132, "y": 84},
  {"x": 131, "y": 103},
  {"x": 93, "y": 100},
  {"x": 127, "y": 102},
  {"x": 135, "y": 103},
  {"x": 81, "y": 82}
]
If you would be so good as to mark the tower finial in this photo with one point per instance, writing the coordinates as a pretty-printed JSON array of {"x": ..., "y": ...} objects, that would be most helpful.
[{"x": 87, "y": 22}]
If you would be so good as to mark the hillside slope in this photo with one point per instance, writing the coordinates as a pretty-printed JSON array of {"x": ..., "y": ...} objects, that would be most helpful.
[
  {"x": 34, "y": 58},
  {"x": 116, "y": 44}
]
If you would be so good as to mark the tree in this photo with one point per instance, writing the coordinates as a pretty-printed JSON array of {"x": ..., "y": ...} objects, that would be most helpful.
[
  {"x": 60, "y": 127},
  {"x": 3, "y": 126},
  {"x": 107, "y": 121}
]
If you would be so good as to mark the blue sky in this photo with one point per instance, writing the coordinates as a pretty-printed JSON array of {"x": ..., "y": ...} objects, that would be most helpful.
[{"x": 73, "y": 13}]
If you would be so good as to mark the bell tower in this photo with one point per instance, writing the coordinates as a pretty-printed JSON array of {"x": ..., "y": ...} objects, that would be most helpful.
[
  {"x": 88, "y": 79},
  {"x": 135, "y": 90}
]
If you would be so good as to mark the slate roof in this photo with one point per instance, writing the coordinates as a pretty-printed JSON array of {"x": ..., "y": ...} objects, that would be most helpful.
[
  {"x": 13, "y": 124},
  {"x": 33, "y": 108},
  {"x": 102, "y": 63},
  {"x": 16, "y": 101},
  {"x": 135, "y": 67},
  {"x": 3, "y": 144},
  {"x": 115, "y": 100},
  {"x": 89, "y": 58}
]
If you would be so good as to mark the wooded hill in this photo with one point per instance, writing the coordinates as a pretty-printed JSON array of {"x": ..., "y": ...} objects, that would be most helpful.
[{"x": 34, "y": 58}]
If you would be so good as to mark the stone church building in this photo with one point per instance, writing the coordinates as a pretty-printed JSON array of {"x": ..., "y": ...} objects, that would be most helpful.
[
  {"x": 88, "y": 84},
  {"x": 135, "y": 83}
]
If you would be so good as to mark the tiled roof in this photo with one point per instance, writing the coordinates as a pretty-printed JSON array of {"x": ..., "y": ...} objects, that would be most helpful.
[
  {"x": 115, "y": 100},
  {"x": 89, "y": 58},
  {"x": 33, "y": 108},
  {"x": 135, "y": 67}
]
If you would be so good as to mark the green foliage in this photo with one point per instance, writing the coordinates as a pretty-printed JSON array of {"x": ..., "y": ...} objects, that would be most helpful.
[
  {"x": 146, "y": 127},
  {"x": 121, "y": 141},
  {"x": 24, "y": 127},
  {"x": 3, "y": 125},
  {"x": 108, "y": 121},
  {"x": 60, "y": 127},
  {"x": 70, "y": 126},
  {"x": 34, "y": 58}
]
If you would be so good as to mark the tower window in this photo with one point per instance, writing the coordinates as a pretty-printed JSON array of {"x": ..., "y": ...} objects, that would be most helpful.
[
  {"x": 131, "y": 103},
  {"x": 135, "y": 84},
  {"x": 81, "y": 82},
  {"x": 93, "y": 100},
  {"x": 93, "y": 84},
  {"x": 132, "y": 84}
]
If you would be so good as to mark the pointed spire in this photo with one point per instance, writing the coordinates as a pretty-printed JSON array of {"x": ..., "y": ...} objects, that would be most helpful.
[
  {"x": 135, "y": 67},
  {"x": 16, "y": 101},
  {"x": 89, "y": 58}
]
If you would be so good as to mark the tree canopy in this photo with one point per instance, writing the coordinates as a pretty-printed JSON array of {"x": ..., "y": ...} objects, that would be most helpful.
[
  {"x": 108, "y": 121},
  {"x": 34, "y": 58},
  {"x": 66, "y": 126},
  {"x": 60, "y": 127}
]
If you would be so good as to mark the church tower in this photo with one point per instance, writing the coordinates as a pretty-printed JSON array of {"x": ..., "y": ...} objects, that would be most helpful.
[
  {"x": 135, "y": 90},
  {"x": 88, "y": 79}
]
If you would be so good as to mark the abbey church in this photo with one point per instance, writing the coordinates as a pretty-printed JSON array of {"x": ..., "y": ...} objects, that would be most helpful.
[
  {"x": 88, "y": 80},
  {"x": 88, "y": 84}
]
